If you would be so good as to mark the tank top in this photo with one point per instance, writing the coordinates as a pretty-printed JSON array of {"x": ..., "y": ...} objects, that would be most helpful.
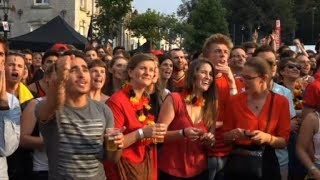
[
  {"x": 183, "y": 158},
  {"x": 316, "y": 142},
  {"x": 40, "y": 91}
]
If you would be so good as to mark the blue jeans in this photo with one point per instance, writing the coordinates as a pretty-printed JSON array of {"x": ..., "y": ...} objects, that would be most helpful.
[{"x": 216, "y": 167}]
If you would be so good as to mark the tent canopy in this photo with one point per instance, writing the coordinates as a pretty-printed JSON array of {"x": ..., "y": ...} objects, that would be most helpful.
[{"x": 56, "y": 30}]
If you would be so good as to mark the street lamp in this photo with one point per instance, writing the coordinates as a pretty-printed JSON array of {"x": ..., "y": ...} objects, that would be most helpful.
[{"x": 5, "y": 9}]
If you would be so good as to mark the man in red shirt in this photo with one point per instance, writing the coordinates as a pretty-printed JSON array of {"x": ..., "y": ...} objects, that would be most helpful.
[
  {"x": 311, "y": 96},
  {"x": 179, "y": 63},
  {"x": 217, "y": 49}
]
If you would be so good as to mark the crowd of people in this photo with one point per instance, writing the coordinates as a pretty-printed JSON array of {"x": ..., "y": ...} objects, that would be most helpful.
[{"x": 226, "y": 112}]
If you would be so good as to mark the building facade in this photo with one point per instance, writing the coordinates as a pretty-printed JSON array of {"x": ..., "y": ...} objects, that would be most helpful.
[{"x": 25, "y": 16}]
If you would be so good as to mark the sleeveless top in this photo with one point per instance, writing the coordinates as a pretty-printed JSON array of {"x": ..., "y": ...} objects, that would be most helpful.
[
  {"x": 183, "y": 158},
  {"x": 40, "y": 91},
  {"x": 316, "y": 142}
]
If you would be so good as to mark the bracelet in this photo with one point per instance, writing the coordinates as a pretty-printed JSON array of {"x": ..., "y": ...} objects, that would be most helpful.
[
  {"x": 183, "y": 134},
  {"x": 141, "y": 134},
  {"x": 313, "y": 167}
]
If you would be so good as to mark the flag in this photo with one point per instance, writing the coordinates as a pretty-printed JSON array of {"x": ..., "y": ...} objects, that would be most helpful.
[
  {"x": 90, "y": 31},
  {"x": 277, "y": 37}
]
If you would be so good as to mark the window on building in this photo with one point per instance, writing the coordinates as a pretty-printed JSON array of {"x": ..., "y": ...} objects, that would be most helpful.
[
  {"x": 41, "y": 2},
  {"x": 83, "y": 4},
  {"x": 82, "y": 28}
]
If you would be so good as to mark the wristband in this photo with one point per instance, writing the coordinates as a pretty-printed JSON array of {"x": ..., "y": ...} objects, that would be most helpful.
[
  {"x": 183, "y": 134},
  {"x": 141, "y": 134}
]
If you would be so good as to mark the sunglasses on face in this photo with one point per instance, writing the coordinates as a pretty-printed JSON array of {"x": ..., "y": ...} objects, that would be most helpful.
[{"x": 292, "y": 66}]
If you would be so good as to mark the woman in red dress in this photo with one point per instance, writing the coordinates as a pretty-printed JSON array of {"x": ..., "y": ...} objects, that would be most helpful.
[
  {"x": 189, "y": 115},
  {"x": 131, "y": 108}
]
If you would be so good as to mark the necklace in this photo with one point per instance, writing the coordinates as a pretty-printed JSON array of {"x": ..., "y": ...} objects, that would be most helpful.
[{"x": 141, "y": 105}]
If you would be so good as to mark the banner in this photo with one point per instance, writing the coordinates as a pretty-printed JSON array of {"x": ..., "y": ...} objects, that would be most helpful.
[{"x": 277, "y": 36}]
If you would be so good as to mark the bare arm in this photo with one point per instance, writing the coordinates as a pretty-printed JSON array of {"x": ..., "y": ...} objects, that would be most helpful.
[
  {"x": 305, "y": 111},
  {"x": 166, "y": 116},
  {"x": 28, "y": 122},
  {"x": 308, "y": 128}
]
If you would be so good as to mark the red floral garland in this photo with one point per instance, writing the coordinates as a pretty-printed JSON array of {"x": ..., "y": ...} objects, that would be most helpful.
[
  {"x": 141, "y": 106},
  {"x": 196, "y": 101},
  {"x": 297, "y": 96}
]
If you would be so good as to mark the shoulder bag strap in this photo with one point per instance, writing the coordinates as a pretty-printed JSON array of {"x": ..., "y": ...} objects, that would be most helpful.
[{"x": 270, "y": 112}]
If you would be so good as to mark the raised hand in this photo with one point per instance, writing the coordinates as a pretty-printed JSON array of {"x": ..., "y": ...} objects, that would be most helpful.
[{"x": 63, "y": 69}]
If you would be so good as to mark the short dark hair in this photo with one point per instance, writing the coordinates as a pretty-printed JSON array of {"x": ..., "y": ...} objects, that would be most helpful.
[
  {"x": 248, "y": 45},
  {"x": 90, "y": 49},
  {"x": 27, "y": 51},
  {"x": 49, "y": 53},
  {"x": 287, "y": 54},
  {"x": 118, "y": 48},
  {"x": 97, "y": 63},
  {"x": 162, "y": 58},
  {"x": 76, "y": 53},
  {"x": 283, "y": 49},
  {"x": 237, "y": 47},
  {"x": 175, "y": 49},
  {"x": 264, "y": 48}
]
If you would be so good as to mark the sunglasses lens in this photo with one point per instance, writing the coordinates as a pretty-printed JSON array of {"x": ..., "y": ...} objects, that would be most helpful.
[{"x": 291, "y": 66}]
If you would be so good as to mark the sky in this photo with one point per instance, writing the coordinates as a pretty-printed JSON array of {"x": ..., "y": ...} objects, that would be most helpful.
[{"x": 163, "y": 6}]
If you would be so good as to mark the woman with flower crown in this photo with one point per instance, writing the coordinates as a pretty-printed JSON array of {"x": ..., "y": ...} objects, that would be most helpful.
[
  {"x": 190, "y": 118},
  {"x": 131, "y": 108}
]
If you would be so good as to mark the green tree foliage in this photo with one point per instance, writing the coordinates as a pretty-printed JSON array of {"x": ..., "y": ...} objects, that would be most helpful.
[
  {"x": 202, "y": 18},
  {"x": 251, "y": 14},
  {"x": 307, "y": 14},
  {"x": 154, "y": 26},
  {"x": 147, "y": 25},
  {"x": 112, "y": 13}
]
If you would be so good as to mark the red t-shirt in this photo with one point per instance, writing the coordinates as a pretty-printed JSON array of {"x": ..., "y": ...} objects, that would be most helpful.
[
  {"x": 177, "y": 85},
  {"x": 311, "y": 96},
  {"x": 183, "y": 158},
  {"x": 221, "y": 149},
  {"x": 125, "y": 115},
  {"x": 240, "y": 116}
]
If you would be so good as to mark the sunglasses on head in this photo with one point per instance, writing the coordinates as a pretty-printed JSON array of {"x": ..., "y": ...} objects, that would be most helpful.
[{"x": 291, "y": 66}]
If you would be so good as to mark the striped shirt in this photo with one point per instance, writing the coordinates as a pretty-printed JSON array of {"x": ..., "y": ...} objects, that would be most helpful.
[{"x": 75, "y": 141}]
